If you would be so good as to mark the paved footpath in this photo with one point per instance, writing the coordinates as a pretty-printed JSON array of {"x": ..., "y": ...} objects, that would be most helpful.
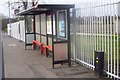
[{"x": 21, "y": 63}]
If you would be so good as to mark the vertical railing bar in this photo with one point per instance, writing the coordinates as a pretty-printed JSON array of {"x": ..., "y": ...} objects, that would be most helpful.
[
  {"x": 98, "y": 25},
  {"x": 94, "y": 31},
  {"x": 114, "y": 27},
  {"x": 83, "y": 35},
  {"x": 117, "y": 40},
  {"x": 82, "y": 16},
  {"x": 100, "y": 48},
  {"x": 77, "y": 31},
  {"x": 90, "y": 20},
  {"x": 78, "y": 15},
  {"x": 97, "y": 30},
  {"x": 95, "y": 27},
  {"x": 105, "y": 30},
  {"x": 108, "y": 36},
  {"x": 86, "y": 36},
  {"x": 77, "y": 51},
  {"x": 91, "y": 46},
  {"x": 111, "y": 37},
  {"x": 89, "y": 28},
  {"x": 82, "y": 26},
  {"x": 76, "y": 23},
  {"x": 113, "y": 42},
  {"x": 80, "y": 31},
  {"x": 92, "y": 50},
  {"x": 102, "y": 30},
  {"x": 117, "y": 44}
]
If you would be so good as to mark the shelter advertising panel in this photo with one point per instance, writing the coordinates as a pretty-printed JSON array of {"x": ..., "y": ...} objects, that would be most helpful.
[
  {"x": 60, "y": 51},
  {"x": 62, "y": 24}
]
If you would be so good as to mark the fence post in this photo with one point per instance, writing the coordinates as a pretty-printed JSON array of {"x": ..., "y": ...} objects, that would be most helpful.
[{"x": 74, "y": 33}]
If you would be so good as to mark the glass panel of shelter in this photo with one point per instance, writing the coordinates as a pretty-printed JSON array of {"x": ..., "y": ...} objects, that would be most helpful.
[
  {"x": 49, "y": 29},
  {"x": 29, "y": 33},
  {"x": 43, "y": 29},
  {"x": 37, "y": 24},
  {"x": 59, "y": 43},
  {"x": 61, "y": 24}
]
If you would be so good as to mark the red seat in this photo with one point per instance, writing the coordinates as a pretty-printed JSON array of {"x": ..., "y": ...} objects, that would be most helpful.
[
  {"x": 40, "y": 45},
  {"x": 49, "y": 48}
]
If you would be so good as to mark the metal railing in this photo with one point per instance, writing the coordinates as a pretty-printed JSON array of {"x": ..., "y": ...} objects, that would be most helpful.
[{"x": 97, "y": 28}]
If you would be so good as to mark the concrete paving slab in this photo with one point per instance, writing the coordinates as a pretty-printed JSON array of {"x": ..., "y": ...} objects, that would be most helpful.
[{"x": 21, "y": 63}]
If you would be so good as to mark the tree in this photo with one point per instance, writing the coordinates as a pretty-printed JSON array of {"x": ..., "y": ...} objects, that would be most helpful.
[
  {"x": 28, "y": 19},
  {"x": 25, "y": 4}
]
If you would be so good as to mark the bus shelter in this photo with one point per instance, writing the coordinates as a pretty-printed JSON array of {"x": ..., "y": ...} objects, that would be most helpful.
[{"x": 54, "y": 30}]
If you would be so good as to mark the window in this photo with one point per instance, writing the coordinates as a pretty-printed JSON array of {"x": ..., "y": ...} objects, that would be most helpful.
[{"x": 62, "y": 24}]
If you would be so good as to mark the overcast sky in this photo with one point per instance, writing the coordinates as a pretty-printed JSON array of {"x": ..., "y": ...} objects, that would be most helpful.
[{"x": 5, "y": 10}]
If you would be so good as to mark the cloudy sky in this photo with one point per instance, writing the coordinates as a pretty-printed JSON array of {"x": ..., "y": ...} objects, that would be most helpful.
[{"x": 5, "y": 10}]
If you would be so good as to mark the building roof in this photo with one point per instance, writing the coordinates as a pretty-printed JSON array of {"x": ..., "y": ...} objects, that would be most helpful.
[{"x": 43, "y": 8}]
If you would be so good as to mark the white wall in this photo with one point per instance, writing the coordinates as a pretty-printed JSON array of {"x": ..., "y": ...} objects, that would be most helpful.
[
  {"x": 8, "y": 29},
  {"x": 22, "y": 31},
  {"x": 15, "y": 30}
]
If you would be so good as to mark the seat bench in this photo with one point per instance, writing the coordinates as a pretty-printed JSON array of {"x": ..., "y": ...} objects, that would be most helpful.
[
  {"x": 42, "y": 48},
  {"x": 40, "y": 45},
  {"x": 46, "y": 48}
]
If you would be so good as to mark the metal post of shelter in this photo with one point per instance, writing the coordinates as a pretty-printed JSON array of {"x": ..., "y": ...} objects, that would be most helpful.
[
  {"x": 69, "y": 48},
  {"x": 52, "y": 38}
]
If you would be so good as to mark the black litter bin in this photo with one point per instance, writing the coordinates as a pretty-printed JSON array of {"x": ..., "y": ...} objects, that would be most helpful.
[{"x": 99, "y": 63}]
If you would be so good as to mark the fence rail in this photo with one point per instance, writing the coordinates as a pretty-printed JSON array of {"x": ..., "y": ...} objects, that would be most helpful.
[{"x": 97, "y": 28}]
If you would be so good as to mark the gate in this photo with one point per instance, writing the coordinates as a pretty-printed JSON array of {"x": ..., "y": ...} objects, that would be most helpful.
[{"x": 97, "y": 28}]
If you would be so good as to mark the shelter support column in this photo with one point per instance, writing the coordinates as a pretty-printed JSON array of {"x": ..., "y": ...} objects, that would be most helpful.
[
  {"x": 52, "y": 38},
  {"x": 68, "y": 33}
]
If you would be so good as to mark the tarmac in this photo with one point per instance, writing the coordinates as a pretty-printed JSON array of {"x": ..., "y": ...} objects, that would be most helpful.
[{"x": 21, "y": 63}]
